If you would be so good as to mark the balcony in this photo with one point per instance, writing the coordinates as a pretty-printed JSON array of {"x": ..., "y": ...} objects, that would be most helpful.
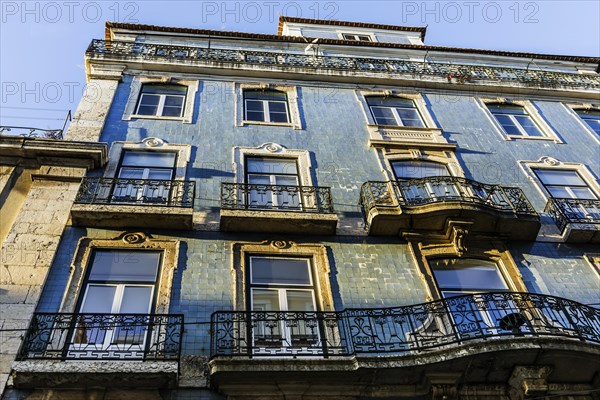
[
  {"x": 133, "y": 203},
  {"x": 370, "y": 347},
  {"x": 277, "y": 208},
  {"x": 76, "y": 350},
  {"x": 577, "y": 219},
  {"x": 390, "y": 208}
]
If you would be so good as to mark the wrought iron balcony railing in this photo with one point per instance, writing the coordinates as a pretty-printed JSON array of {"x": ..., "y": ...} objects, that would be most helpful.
[
  {"x": 244, "y": 196},
  {"x": 441, "y": 189},
  {"x": 31, "y": 132},
  {"x": 398, "y": 330},
  {"x": 578, "y": 211},
  {"x": 467, "y": 73},
  {"x": 103, "y": 337},
  {"x": 153, "y": 192}
]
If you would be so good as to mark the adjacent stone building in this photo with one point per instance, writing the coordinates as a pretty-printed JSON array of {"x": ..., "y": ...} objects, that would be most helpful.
[{"x": 338, "y": 211}]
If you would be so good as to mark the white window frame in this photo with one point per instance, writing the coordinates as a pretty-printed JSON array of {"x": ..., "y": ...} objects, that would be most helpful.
[
  {"x": 291, "y": 92},
  {"x": 135, "y": 94},
  {"x": 572, "y": 109},
  {"x": 266, "y": 110},
  {"x": 343, "y": 36},
  {"x": 547, "y": 132},
  {"x": 160, "y": 107}
]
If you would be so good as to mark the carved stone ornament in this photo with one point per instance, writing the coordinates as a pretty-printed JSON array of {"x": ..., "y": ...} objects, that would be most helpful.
[
  {"x": 271, "y": 147},
  {"x": 153, "y": 142},
  {"x": 134, "y": 238},
  {"x": 550, "y": 161},
  {"x": 282, "y": 244},
  {"x": 459, "y": 234}
]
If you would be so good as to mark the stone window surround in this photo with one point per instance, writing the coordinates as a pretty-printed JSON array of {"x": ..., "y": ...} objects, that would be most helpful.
[
  {"x": 292, "y": 100},
  {"x": 272, "y": 150},
  {"x": 594, "y": 261},
  {"x": 445, "y": 157},
  {"x": 572, "y": 109},
  {"x": 281, "y": 248},
  {"x": 150, "y": 144},
  {"x": 136, "y": 90},
  {"x": 531, "y": 110},
  {"x": 552, "y": 163},
  {"x": 453, "y": 244},
  {"x": 124, "y": 241}
]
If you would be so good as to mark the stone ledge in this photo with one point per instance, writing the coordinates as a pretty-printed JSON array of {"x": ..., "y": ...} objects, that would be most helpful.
[
  {"x": 113, "y": 373},
  {"x": 131, "y": 216}
]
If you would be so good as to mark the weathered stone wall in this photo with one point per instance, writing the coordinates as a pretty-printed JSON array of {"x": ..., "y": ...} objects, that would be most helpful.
[{"x": 27, "y": 254}]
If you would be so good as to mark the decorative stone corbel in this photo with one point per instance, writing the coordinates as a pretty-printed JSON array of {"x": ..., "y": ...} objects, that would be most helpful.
[{"x": 528, "y": 381}]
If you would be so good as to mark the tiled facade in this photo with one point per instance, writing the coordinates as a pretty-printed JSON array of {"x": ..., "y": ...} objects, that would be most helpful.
[{"x": 362, "y": 271}]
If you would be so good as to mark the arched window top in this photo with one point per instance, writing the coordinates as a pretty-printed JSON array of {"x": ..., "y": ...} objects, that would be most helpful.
[{"x": 416, "y": 169}]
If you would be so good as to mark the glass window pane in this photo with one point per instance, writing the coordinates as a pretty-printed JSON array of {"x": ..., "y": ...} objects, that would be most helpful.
[
  {"x": 507, "y": 109},
  {"x": 171, "y": 111},
  {"x": 265, "y": 300},
  {"x": 149, "y": 159},
  {"x": 131, "y": 173},
  {"x": 147, "y": 110},
  {"x": 137, "y": 266},
  {"x": 136, "y": 299},
  {"x": 173, "y": 101},
  {"x": 583, "y": 193},
  {"x": 418, "y": 169},
  {"x": 265, "y": 95},
  {"x": 271, "y": 165},
  {"x": 164, "y": 89},
  {"x": 253, "y": 105},
  {"x": 277, "y": 106},
  {"x": 278, "y": 117},
  {"x": 384, "y": 116},
  {"x": 255, "y": 116},
  {"x": 509, "y": 125},
  {"x": 529, "y": 126},
  {"x": 390, "y": 102},
  {"x": 559, "y": 192},
  {"x": 149, "y": 100},
  {"x": 159, "y": 174},
  {"x": 280, "y": 270},
  {"x": 594, "y": 124},
  {"x": 467, "y": 275},
  {"x": 559, "y": 177},
  {"x": 410, "y": 117},
  {"x": 98, "y": 299},
  {"x": 300, "y": 300}
]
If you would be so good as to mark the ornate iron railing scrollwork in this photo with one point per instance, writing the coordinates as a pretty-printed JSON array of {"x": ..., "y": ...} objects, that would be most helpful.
[
  {"x": 153, "y": 192},
  {"x": 31, "y": 132},
  {"x": 135, "y": 337},
  {"x": 244, "y": 196},
  {"x": 579, "y": 211},
  {"x": 463, "y": 72},
  {"x": 398, "y": 330},
  {"x": 442, "y": 189}
]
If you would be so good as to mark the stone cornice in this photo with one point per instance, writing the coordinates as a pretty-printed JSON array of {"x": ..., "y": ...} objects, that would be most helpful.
[
  {"x": 460, "y": 75},
  {"x": 17, "y": 150}
]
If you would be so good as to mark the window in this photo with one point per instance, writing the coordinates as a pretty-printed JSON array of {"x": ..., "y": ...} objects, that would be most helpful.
[
  {"x": 118, "y": 282},
  {"x": 515, "y": 120},
  {"x": 356, "y": 37},
  {"x": 395, "y": 111},
  {"x": 266, "y": 106},
  {"x": 282, "y": 284},
  {"x": 426, "y": 190},
  {"x": 591, "y": 117},
  {"x": 564, "y": 184},
  {"x": 145, "y": 177},
  {"x": 274, "y": 183},
  {"x": 162, "y": 100},
  {"x": 455, "y": 277}
]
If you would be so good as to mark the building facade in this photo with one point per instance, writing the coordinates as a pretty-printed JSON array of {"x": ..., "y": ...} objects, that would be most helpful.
[{"x": 338, "y": 211}]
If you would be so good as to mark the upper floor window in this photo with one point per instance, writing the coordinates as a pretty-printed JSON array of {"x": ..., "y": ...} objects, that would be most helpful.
[
  {"x": 564, "y": 184},
  {"x": 515, "y": 120},
  {"x": 356, "y": 37},
  {"x": 266, "y": 106},
  {"x": 145, "y": 176},
  {"x": 274, "y": 183},
  {"x": 591, "y": 117},
  {"x": 162, "y": 100},
  {"x": 455, "y": 277},
  {"x": 409, "y": 169},
  {"x": 395, "y": 111}
]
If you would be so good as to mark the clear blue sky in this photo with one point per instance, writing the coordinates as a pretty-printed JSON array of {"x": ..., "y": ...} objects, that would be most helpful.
[{"x": 42, "y": 42}]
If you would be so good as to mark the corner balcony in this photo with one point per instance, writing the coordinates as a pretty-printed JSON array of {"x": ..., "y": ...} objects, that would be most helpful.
[
  {"x": 370, "y": 348},
  {"x": 390, "y": 208},
  {"x": 277, "y": 209},
  {"x": 119, "y": 350},
  {"x": 134, "y": 203},
  {"x": 577, "y": 219}
]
